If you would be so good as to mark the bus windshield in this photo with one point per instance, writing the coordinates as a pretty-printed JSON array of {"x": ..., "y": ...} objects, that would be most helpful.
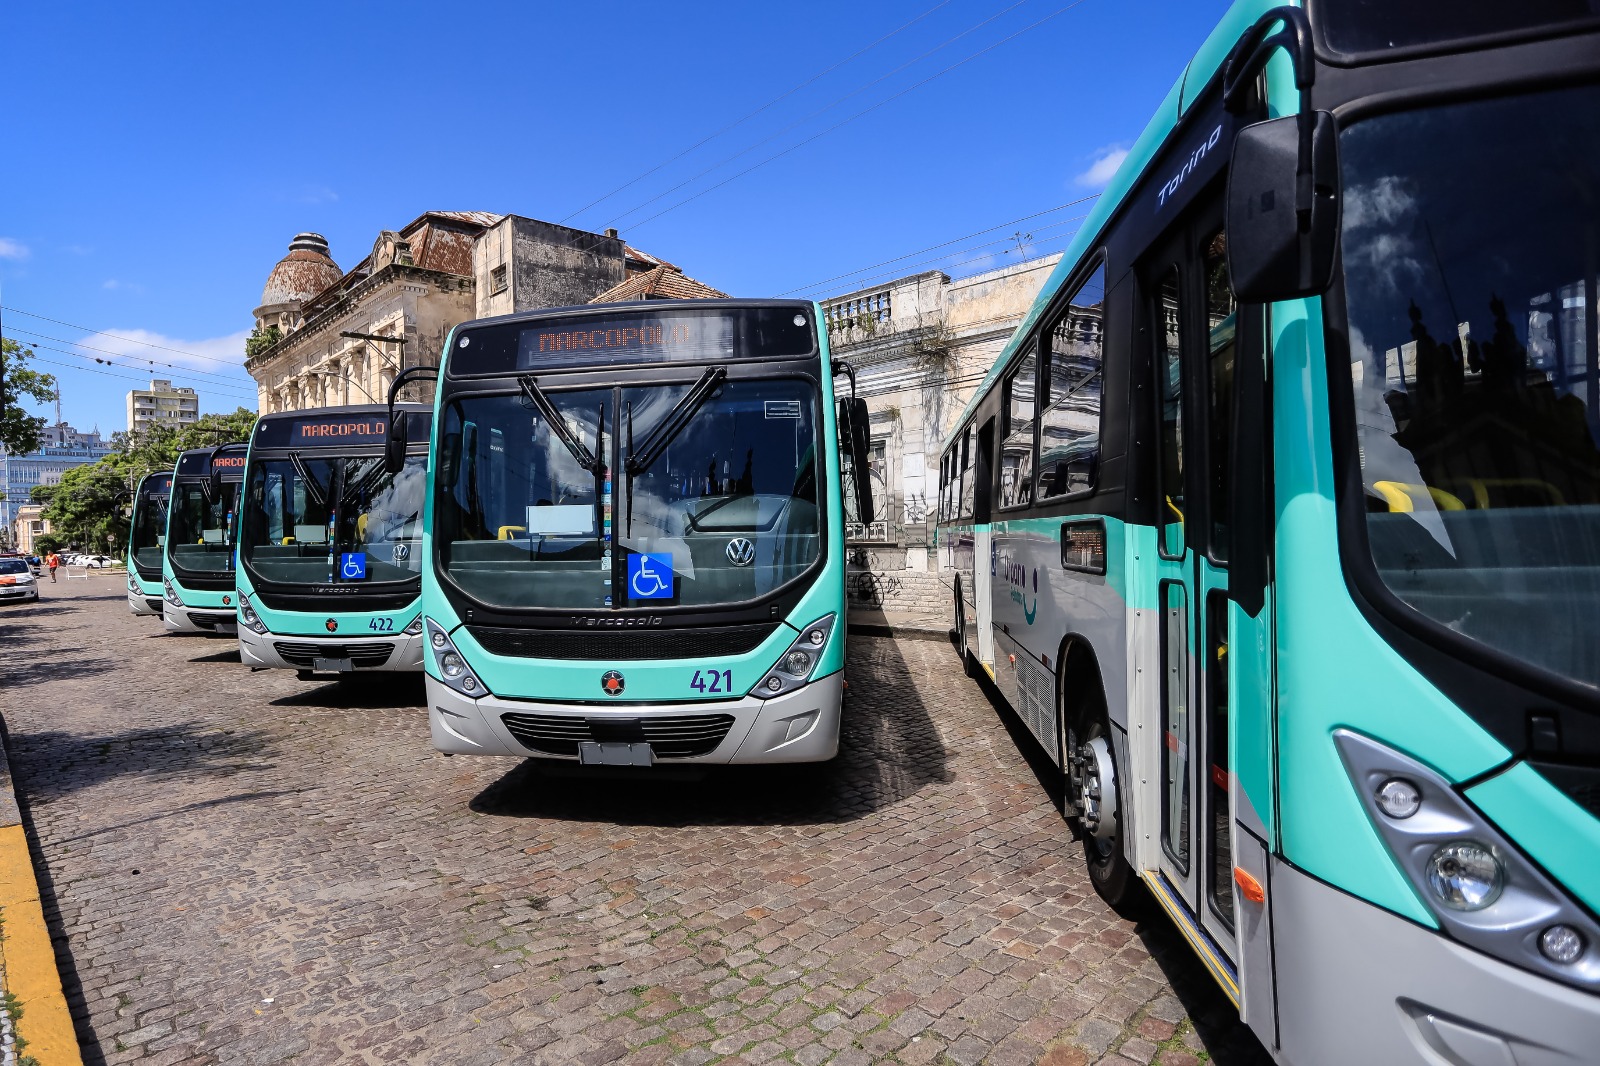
[
  {"x": 1471, "y": 290},
  {"x": 307, "y": 513},
  {"x": 200, "y": 540},
  {"x": 150, "y": 522},
  {"x": 725, "y": 510}
]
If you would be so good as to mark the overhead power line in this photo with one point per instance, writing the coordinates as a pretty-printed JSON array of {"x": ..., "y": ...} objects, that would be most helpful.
[
  {"x": 747, "y": 117},
  {"x": 942, "y": 244},
  {"x": 186, "y": 372},
  {"x": 859, "y": 114},
  {"x": 129, "y": 340},
  {"x": 237, "y": 389}
]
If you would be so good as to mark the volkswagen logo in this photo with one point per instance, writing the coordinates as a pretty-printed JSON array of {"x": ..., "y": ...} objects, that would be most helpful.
[
  {"x": 611, "y": 683},
  {"x": 402, "y": 552},
  {"x": 331, "y": 625},
  {"x": 741, "y": 552}
]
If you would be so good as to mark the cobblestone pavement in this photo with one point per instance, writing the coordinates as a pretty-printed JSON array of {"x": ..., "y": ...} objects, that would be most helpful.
[{"x": 246, "y": 868}]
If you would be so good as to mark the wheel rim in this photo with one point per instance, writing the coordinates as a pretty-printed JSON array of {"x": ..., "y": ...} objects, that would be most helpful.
[{"x": 1097, "y": 794}]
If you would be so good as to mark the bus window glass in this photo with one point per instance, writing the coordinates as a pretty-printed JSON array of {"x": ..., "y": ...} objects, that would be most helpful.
[
  {"x": 967, "y": 452},
  {"x": 1175, "y": 657},
  {"x": 150, "y": 525},
  {"x": 1168, "y": 332},
  {"x": 1471, "y": 295},
  {"x": 1069, "y": 446},
  {"x": 1016, "y": 451},
  {"x": 1221, "y": 322},
  {"x": 199, "y": 538}
]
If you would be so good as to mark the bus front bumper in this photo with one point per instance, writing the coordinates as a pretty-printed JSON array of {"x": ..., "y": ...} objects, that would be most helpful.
[
  {"x": 799, "y": 726},
  {"x": 361, "y": 654},
  {"x": 211, "y": 621},
  {"x": 1357, "y": 984},
  {"x": 142, "y": 605}
]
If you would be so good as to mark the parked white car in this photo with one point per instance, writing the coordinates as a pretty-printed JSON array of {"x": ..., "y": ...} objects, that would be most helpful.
[{"x": 17, "y": 581}]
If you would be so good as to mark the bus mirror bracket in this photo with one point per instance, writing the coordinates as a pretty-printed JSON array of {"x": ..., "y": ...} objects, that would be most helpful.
[
  {"x": 395, "y": 443},
  {"x": 1283, "y": 182}
]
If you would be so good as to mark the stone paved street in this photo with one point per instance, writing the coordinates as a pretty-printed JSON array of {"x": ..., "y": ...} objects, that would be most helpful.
[{"x": 247, "y": 868}]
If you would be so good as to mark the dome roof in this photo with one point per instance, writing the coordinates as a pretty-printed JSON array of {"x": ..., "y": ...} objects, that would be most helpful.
[{"x": 303, "y": 273}]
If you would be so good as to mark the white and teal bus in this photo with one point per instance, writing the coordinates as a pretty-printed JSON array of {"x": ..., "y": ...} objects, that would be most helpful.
[
  {"x": 1278, "y": 525},
  {"x": 633, "y": 546},
  {"x": 198, "y": 559},
  {"x": 147, "y": 537},
  {"x": 330, "y": 542}
]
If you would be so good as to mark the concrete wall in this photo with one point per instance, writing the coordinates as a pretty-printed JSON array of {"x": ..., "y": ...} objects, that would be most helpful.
[{"x": 546, "y": 266}]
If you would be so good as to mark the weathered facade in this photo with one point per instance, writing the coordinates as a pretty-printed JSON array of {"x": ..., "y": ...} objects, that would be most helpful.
[
  {"x": 920, "y": 345},
  {"x": 325, "y": 336}
]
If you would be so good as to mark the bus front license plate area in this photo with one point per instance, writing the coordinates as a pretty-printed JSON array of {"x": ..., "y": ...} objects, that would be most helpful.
[
  {"x": 615, "y": 753},
  {"x": 332, "y": 666}
]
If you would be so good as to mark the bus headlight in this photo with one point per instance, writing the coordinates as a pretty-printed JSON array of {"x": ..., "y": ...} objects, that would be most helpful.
[
  {"x": 1465, "y": 875},
  {"x": 248, "y": 617},
  {"x": 795, "y": 666},
  {"x": 415, "y": 628},
  {"x": 1483, "y": 892},
  {"x": 133, "y": 585},
  {"x": 171, "y": 593},
  {"x": 453, "y": 668}
]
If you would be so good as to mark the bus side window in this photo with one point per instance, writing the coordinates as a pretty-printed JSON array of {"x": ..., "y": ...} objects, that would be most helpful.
[
  {"x": 1069, "y": 445},
  {"x": 1016, "y": 450},
  {"x": 966, "y": 472}
]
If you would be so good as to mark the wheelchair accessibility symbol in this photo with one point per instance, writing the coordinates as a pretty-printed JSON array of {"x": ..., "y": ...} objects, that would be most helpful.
[
  {"x": 353, "y": 566},
  {"x": 650, "y": 576}
]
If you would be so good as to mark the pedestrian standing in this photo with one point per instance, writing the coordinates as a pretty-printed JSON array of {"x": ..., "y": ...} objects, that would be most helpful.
[{"x": 52, "y": 561}]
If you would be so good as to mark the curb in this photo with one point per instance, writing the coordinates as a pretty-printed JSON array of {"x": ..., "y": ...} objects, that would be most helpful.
[{"x": 30, "y": 962}]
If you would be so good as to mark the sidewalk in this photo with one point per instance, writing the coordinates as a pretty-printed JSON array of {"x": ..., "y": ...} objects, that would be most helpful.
[
  {"x": 909, "y": 623},
  {"x": 35, "y": 1025}
]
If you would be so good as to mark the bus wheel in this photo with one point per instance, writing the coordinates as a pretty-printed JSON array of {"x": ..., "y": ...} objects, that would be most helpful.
[{"x": 1099, "y": 810}]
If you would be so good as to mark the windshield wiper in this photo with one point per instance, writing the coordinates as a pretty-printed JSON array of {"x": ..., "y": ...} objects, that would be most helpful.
[
  {"x": 313, "y": 486},
  {"x": 533, "y": 395},
  {"x": 666, "y": 431}
]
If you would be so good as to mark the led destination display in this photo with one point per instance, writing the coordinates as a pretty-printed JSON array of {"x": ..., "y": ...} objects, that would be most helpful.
[{"x": 338, "y": 431}]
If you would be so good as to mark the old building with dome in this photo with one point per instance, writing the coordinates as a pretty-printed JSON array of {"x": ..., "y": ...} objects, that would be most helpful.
[{"x": 325, "y": 336}]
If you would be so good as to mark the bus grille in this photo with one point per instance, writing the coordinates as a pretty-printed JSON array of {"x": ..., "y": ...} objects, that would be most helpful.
[
  {"x": 360, "y": 655},
  {"x": 624, "y": 645},
  {"x": 681, "y": 736}
]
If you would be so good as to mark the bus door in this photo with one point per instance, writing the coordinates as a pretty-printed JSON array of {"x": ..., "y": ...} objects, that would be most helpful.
[
  {"x": 1191, "y": 326},
  {"x": 983, "y": 556}
]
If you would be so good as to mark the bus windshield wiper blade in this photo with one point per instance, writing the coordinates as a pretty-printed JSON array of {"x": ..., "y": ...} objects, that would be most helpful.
[
  {"x": 534, "y": 396},
  {"x": 668, "y": 428},
  {"x": 313, "y": 487}
]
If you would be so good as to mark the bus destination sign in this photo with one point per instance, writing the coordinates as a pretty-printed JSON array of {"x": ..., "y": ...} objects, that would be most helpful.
[
  {"x": 358, "y": 429},
  {"x": 632, "y": 339}
]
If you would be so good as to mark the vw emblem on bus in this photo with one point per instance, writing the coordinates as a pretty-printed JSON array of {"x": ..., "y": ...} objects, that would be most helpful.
[
  {"x": 331, "y": 625},
  {"x": 741, "y": 552},
  {"x": 611, "y": 683},
  {"x": 402, "y": 552}
]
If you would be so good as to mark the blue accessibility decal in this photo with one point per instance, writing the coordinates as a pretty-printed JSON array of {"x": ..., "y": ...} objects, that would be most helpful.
[
  {"x": 650, "y": 576},
  {"x": 353, "y": 566}
]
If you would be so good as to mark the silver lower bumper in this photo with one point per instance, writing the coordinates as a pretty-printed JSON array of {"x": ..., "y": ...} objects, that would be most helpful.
[
  {"x": 801, "y": 726},
  {"x": 1357, "y": 984},
  {"x": 184, "y": 620},
  {"x": 139, "y": 604},
  {"x": 258, "y": 649}
]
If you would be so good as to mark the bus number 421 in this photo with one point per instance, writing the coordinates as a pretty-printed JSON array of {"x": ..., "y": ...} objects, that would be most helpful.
[{"x": 712, "y": 681}]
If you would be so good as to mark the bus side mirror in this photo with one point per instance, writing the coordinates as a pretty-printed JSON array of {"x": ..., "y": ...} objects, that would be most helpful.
[
  {"x": 394, "y": 446},
  {"x": 1283, "y": 208},
  {"x": 853, "y": 420}
]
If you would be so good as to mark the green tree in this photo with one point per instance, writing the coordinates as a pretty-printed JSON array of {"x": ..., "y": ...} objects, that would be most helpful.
[
  {"x": 45, "y": 543},
  {"x": 19, "y": 431}
]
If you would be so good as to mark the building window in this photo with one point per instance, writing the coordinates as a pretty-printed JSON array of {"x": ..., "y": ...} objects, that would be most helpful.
[{"x": 497, "y": 279}]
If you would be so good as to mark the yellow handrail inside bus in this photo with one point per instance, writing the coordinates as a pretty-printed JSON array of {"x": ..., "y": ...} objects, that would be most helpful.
[
  {"x": 1401, "y": 497},
  {"x": 506, "y": 532}
]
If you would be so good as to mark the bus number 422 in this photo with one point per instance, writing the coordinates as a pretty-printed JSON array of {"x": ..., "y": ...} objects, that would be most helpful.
[{"x": 712, "y": 681}]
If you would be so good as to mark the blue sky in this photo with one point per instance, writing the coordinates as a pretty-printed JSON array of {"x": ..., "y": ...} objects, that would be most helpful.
[{"x": 160, "y": 157}]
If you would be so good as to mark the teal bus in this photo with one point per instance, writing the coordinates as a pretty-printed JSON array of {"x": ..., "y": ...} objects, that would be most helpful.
[
  {"x": 1277, "y": 525},
  {"x": 147, "y": 537},
  {"x": 198, "y": 558},
  {"x": 633, "y": 542},
  {"x": 330, "y": 542}
]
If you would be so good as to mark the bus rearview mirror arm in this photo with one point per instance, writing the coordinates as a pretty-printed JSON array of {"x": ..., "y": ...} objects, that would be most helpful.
[{"x": 394, "y": 442}]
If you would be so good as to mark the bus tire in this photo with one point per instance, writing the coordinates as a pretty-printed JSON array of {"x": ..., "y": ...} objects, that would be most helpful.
[{"x": 1100, "y": 807}]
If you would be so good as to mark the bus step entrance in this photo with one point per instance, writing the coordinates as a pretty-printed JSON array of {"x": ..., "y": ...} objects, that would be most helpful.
[{"x": 615, "y": 753}]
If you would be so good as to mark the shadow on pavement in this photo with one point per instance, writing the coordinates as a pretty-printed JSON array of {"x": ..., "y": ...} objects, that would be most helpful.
[
  {"x": 362, "y": 691},
  {"x": 19, "y": 672},
  {"x": 226, "y": 655},
  {"x": 37, "y": 610},
  {"x": 1216, "y": 1021},
  {"x": 48, "y": 765},
  {"x": 889, "y": 750}
]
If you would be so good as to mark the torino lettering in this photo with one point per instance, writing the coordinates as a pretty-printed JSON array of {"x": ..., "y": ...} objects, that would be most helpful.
[
  {"x": 1198, "y": 154},
  {"x": 578, "y": 340}
]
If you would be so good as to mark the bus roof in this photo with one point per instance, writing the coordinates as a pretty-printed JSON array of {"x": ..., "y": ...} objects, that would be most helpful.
[{"x": 1197, "y": 74}]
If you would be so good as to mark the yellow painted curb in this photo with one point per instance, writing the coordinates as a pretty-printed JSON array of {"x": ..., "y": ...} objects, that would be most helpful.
[{"x": 31, "y": 973}]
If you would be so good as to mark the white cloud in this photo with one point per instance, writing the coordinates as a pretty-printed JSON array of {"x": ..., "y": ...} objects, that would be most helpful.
[
  {"x": 11, "y": 248},
  {"x": 126, "y": 286},
  {"x": 144, "y": 349},
  {"x": 1104, "y": 167},
  {"x": 315, "y": 194}
]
